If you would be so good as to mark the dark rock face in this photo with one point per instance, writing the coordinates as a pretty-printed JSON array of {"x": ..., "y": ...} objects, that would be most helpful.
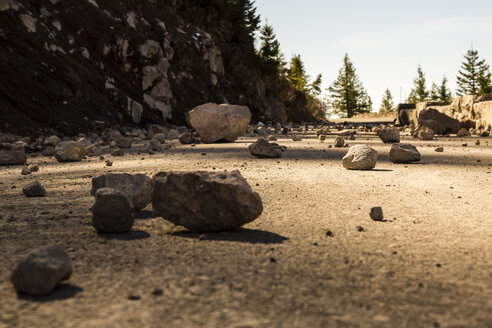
[
  {"x": 154, "y": 66},
  {"x": 439, "y": 122},
  {"x": 112, "y": 212},
  {"x": 137, "y": 187},
  {"x": 12, "y": 155},
  {"x": 41, "y": 271},
  {"x": 205, "y": 201}
]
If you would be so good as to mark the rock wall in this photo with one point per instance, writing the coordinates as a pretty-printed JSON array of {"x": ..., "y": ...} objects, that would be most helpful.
[{"x": 77, "y": 65}]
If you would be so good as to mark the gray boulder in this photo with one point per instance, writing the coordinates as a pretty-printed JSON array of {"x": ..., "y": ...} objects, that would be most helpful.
[
  {"x": 70, "y": 151},
  {"x": 404, "y": 153},
  {"x": 34, "y": 189},
  {"x": 389, "y": 135},
  {"x": 12, "y": 154},
  {"x": 360, "y": 157},
  {"x": 112, "y": 212},
  {"x": 41, "y": 271},
  {"x": 262, "y": 148},
  {"x": 219, "y": 122},
  {"x": 137, "y": 187},
  {"x": 205, "y": 201}
]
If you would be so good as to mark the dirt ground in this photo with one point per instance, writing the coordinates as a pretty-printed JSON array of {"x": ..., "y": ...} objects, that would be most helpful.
[{"x": 428, "y": 265}]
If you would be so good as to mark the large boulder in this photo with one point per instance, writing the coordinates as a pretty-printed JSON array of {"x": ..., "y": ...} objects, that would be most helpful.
[
  {"x": 404, "y": 153},
  {"x": 70, "y": 151},
  {"x": 137, "y": 187},
  {"x": 437, "y": 121},
  {"x": 463, "y": 133},
  {"x": 389, "y": 135},
  {"x": 41, "y": 271},
  {"x": 262, "y": 148},
  {"x": 12, "y": 154},
  {"x": 219, "y": 122},
  {"x": 360, "y": 157},
  {"x": 112, "y": 212},
  {"x": 205, "y": 201},
  {"x": 406, "y": 114}
]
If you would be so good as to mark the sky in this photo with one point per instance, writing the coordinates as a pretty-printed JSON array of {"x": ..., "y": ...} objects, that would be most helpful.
[{"x": 385, "y": 39}]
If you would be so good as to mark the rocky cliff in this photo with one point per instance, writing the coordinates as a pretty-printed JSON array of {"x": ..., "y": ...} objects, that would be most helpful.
[{"x": 78, "y": 65}]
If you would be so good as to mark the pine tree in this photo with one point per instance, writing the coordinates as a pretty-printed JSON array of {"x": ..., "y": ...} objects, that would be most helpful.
[
  {"x": 270, "y": 51},
  {"x": 387, "y": 105},
  {"x": 315, "y": 87},
  {"x": 347, "y": 95},
  {"x": 474, "y": 76},
  {"x": 297, "y": 73},
  {"x": 252, "y": 19},
  {"x": 419, "y": 92},
  {"x": 443, "y": 92}
]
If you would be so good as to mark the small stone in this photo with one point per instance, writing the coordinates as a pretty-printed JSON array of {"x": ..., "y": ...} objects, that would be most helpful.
[
  {"x": 360, "y": 228},
  {"x": 34, "y": 189},
  {"x": 329, "y": 233},
  {"x": 124, "y": 142},
  {"x": 155, "y": 145},
  {"x": 41, "y": 271},
  {"x": 49, "y": 151},
  {"x": 160, "y": 137},
  {"x": 33, "y": 167},
  {"x": 186, "y": 138},
  {"x": 404, "y": 153},
  {"x": 70, "y": 151},
  {"x": 296, "y": 138},
  {"x": 112, "y": 211},
  {"x": 262, "y": 148},
  {"x": 158, "y": 292},
  {"x": 109, "y": 163},
  {"x": 118, "y": 152},
  {"x": 339, "y": 142},
  {"x": 377, "y": 214},
  {"x": 464, "y": 145},
  {"x": 477, "y": 143},
  {"x": 463, "y": 133},
  {"x": 439, "y": 149},
  {"x": 360, "y": 157},
  {"x": 134, "y": 297},
  {"x": 25, "y": 171},
  {"x": 425, "y": 133},
  {"x": 322, "y": 137}
]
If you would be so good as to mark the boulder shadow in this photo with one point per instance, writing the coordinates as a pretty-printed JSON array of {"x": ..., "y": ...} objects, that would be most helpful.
[
  {"x": 242, "y": 235},
  {"x": 62, "y": 292},
  {"x": 145, "y": 215},
  {"x": 131, "y": 235}
]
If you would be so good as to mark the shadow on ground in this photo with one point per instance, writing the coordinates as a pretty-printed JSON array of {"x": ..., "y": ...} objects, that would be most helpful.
[
  {"x": 240, "y": 235},
  {"x": 132, "y": 235},
  {"x": 62, "y": 292}
]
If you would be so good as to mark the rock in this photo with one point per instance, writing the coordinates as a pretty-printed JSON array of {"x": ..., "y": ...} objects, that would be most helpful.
[
  {"x": 377, "y": 214},
  {"x": 41, "y": 271},
  {"x": 33, "y": 167},
  {"x": 262, "y": 148},
  {"x": 70, "y": 151},
  {"x": 344, "y": 133},
  {"x": 12, "y": 154},
  {"x": 49, "y": 151},
  {"x": 322, "y": 137},
  {"x": 389, "y": 135},
  {"x": 186, "y": 138},
  {"x": 219, "y": 122},
  {"x": 124, "y": 142},
  {"x": 25, "y": 171},
  {"x": 118, "y": 152},
  {"x": 272, "y": 138},
  {"x": 137, "y": 187},
  {"x": 463, "y": 133},
  {"x": 150, "y": 49},
  {"x": 94, "y": 150},
  {"x": 360, "y": 157},
  {"x": 112, "y": 211},
  {"x": 9, "y": 4},
  {"x": 425, "y": 133},
  {"x": 155, "y": 129},
  {"x": 296, "y": 138},
  {"x": 339, "y": 142},
  {"x": 477, "y": 143},
  {"x": 173, "y": 134},
  {"x": 439, "y": 122},
  {"x": 160, "y": 137},
  {"x": 205, "y": 201},
  {"x": 352, "y": 137},
  {"x": 439, "y": 149},
  {"x": 155, "y": 145},
  {"x": 52, "y": 141},
  {"x": 34, "y": 189},
  {"x": 404, "y": 153},
  {"x": 109, "y": 163}
]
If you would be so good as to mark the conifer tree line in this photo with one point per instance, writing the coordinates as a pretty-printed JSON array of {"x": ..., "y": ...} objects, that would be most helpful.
[{"x": 346, "y": 96}]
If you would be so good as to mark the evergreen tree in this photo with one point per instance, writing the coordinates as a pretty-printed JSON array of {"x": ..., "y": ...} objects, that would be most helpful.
[
  {"x": 297, "y": 73},
  {"x": 434, "y": 93},
  {"x": 443, "y": 92},
  {"x": 315, "y": 87},
  {"x": 474, "y": 76},
  {"x": 270, "y": 51},
  {"x": 251, "y": 18},
  {"x": 347, "y": 95},
  {"x": 387, "y": 105},
  {"x": 419, "y": 92}
]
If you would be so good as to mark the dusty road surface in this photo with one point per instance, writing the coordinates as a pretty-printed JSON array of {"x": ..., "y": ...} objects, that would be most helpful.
[{"x": 428, "y": 265}]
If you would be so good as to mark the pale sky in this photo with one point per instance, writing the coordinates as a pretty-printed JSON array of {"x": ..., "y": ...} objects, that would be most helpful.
[{"x": 385, "y": 39}]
